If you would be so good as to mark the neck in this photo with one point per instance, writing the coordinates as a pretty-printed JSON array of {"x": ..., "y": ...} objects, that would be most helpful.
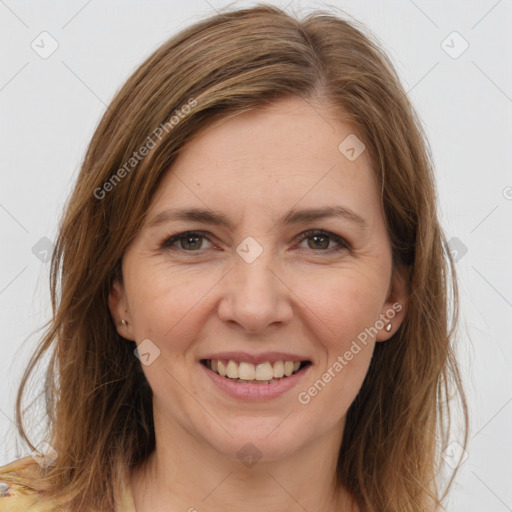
[{"x": 185, "y": 473}]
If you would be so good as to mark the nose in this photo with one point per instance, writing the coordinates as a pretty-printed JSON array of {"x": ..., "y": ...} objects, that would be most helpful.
[{"x": 255, "y": 296}]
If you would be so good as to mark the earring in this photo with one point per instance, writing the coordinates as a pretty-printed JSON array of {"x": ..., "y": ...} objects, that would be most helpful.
[
  {"x": 388, "y": 327},
  {"x": 124, "y": 322}
]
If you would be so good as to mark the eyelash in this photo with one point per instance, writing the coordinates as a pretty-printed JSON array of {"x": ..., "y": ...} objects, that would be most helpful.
[{"x": 168, "y": 242}]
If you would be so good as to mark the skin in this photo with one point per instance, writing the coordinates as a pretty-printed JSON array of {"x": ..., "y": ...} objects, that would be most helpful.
[{"x": 298, "y": 296}]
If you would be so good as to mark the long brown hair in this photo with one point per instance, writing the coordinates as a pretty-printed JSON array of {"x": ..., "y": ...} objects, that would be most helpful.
[{"x": 98, "y": 402}]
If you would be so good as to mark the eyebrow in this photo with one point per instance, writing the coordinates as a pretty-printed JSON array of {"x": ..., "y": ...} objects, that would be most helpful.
[{"x": 294, "y": 216}]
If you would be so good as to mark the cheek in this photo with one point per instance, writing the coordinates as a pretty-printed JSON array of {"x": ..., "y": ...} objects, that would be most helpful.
[
  {"x": 340, "y": 314},
  {"x": 339, "y": 326},
  {"x": 343, "y": 303},
  {"x": 166, "y": 306}
]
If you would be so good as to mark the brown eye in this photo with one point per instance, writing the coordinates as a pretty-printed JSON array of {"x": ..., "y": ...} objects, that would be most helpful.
[
  {"x": 323, "y": 241},
  {"x": 189, "y": 241},
  {"x": 318, "y": 242}
]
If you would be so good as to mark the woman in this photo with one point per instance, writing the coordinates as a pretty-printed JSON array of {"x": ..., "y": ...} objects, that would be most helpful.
[{"x": 249, "y": 286}]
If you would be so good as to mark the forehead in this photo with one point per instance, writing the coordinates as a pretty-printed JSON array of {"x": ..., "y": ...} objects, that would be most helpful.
[{"x": 276, "y": 156}]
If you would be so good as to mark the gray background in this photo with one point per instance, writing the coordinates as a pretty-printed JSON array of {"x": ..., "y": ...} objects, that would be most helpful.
[{"x": 50, "y": 107}]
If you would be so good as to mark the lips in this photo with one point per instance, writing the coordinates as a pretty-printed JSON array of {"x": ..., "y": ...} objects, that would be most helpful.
[{"x": 255, "y": 390}]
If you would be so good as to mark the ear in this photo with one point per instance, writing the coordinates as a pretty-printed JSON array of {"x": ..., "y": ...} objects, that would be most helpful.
[
  {"x": 118, "y": 305},
  {"x": 395, "y": 307}
]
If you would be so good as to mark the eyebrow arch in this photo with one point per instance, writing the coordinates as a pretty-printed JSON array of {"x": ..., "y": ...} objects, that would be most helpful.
[{"x": 293, "y": 216}]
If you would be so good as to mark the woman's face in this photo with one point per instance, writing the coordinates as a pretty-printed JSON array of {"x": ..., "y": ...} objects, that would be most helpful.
[{"x": 288, "y": 260}]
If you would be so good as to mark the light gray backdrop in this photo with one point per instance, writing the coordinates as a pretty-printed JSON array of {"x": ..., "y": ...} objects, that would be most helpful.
[{"x": 61, "y": 63}]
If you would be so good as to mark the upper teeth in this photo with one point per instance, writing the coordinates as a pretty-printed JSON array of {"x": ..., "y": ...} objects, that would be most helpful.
[{"x": 250, "y": 371}]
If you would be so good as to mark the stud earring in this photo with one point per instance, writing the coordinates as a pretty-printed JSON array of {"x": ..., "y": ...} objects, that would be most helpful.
[
  {"x": 388, "y": 327},
  {"x": 124, "y": 322}
]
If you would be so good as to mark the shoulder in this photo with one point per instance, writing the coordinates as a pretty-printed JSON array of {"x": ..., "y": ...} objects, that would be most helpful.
[
  {"x": 22, "y": 489},
  {"x": 18, "y": 486}
]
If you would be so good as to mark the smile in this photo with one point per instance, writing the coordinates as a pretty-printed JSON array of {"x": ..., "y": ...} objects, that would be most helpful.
[{"x": 249, "y": 373}]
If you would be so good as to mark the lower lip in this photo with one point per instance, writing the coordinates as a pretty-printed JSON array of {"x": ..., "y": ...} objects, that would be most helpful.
[{"x": 256, "y": 392}]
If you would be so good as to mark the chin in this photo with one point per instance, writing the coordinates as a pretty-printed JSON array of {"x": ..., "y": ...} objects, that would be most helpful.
[{"x": 262, "y": 439}]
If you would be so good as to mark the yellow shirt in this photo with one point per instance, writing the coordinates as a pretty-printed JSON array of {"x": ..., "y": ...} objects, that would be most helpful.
[{"x": 17, "y": 497}]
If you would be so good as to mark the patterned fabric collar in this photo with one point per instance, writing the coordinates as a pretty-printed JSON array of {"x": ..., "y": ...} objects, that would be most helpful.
[{"x": 16, "y": 494}]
